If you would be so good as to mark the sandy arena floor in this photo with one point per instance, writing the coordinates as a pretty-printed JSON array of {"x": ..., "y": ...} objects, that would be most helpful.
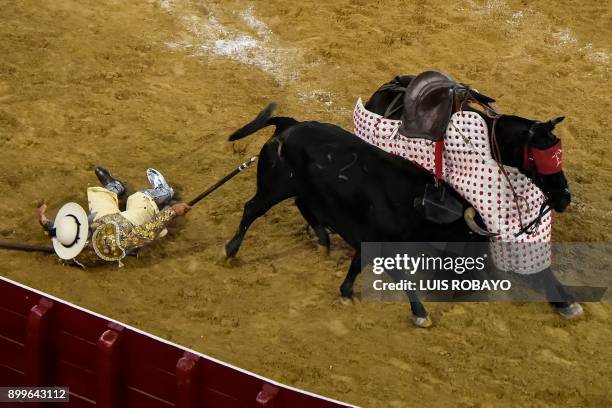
[{"x": 133, "y": 84}]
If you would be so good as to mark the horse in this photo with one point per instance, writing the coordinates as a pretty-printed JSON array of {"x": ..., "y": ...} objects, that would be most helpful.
[{"x": 341, "y": 183}]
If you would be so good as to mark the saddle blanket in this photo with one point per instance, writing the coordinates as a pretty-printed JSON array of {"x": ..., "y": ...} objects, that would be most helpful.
[{"x": 470, "y": 169}]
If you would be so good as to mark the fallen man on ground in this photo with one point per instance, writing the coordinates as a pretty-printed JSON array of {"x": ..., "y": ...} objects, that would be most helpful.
[{"x": 109, "y": 234}]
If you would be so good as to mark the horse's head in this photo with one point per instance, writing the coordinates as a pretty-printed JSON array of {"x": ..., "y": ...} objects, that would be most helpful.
[{"x": 533, "y": 148}]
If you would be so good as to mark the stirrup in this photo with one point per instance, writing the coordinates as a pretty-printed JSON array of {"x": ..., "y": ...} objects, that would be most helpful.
[{"x": 440, "y": 205}]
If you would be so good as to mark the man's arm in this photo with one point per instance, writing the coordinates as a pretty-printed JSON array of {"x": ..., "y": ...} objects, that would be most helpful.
[
  {"x": 46, "y": 223},
  {"x": 149, "y": 231}
]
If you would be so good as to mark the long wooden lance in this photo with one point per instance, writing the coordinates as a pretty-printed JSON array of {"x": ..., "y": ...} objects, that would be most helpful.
[
  {"x": 26, "y": 247},
  {"x": 224, "y": 180}
]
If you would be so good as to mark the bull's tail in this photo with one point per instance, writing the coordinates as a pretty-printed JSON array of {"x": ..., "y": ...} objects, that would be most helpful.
[{"x": 264, "y": 119}]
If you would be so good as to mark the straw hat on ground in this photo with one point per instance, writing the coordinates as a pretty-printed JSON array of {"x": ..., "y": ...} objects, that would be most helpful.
[{"x": 71, "y": 231}]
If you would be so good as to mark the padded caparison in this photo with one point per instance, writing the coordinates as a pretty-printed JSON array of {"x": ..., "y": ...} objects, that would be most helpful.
[
  {"x": 428, "y": 105},
  {"x": 469, "y": 168}
]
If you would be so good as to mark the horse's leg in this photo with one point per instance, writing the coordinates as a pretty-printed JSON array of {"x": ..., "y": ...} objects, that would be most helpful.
[
  {"x": 346, "y": 289},
  {"x": 311, "y": 219},
  {"x": 546, "y": 282},
  {"x": 420, "y": 317},
  {"x": 563, "y": 302}
]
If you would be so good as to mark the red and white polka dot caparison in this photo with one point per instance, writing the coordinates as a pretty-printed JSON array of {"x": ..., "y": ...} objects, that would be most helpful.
[{"x": 470, "y": 169}]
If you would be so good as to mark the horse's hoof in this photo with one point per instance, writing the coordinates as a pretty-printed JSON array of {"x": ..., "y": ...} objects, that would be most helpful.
[
  {"x": 423, "y": 322},
  {"x": 572, "y": 311},
  {"x": 346, "y": 301}
]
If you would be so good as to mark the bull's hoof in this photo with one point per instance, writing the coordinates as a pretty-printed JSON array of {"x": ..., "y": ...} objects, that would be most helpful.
[
  {"x": 229, "y": 259},
  {"x": 423, "y": 322},
  {"x": 572, "y": 311},
  {"x": 230, "y": 249},
  {"x": 224, "y": 253},
  {"x": 226, "y": 259},
  {"x": 346, "y": 300}
]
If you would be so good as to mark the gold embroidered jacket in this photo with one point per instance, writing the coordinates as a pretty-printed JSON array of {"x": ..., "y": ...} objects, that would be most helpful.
[{"x": 114, "y": 236}]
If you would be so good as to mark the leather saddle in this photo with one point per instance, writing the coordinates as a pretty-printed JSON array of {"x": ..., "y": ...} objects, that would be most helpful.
[{"x": 428, "y": 104}]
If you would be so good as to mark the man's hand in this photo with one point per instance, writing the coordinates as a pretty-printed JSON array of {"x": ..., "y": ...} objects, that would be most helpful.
[
  {"x": 181, "y": 208},
  {"x": 42, "y": 217}
]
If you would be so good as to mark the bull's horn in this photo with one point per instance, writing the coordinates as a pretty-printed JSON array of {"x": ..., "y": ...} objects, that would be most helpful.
[{"x": 468, "y": 216}]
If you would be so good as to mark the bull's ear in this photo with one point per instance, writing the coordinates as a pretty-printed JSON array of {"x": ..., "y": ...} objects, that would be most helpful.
[{"x": 554, "y": 122}]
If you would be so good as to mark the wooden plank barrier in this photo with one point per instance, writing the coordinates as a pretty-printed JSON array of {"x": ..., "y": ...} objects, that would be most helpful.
[
  {"x": 38, "y": 347},
  {"x": 187, "y": 380},
  {"x": 267, "y": 397},
  {"x": 108, "y": 368},
  {"x": 45, "y": 341}
]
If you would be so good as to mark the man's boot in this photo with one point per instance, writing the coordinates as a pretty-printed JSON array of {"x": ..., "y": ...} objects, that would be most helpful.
[
  {"x": 109, "y": 182},
  {"x": 161, "y": 192}
]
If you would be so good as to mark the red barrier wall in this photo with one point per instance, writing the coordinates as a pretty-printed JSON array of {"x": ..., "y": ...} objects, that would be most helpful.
[{"x": 46, "y": 342}]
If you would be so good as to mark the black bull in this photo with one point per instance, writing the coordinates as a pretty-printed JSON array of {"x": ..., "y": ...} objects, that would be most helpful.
[{"x": 364, "y": 194}]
